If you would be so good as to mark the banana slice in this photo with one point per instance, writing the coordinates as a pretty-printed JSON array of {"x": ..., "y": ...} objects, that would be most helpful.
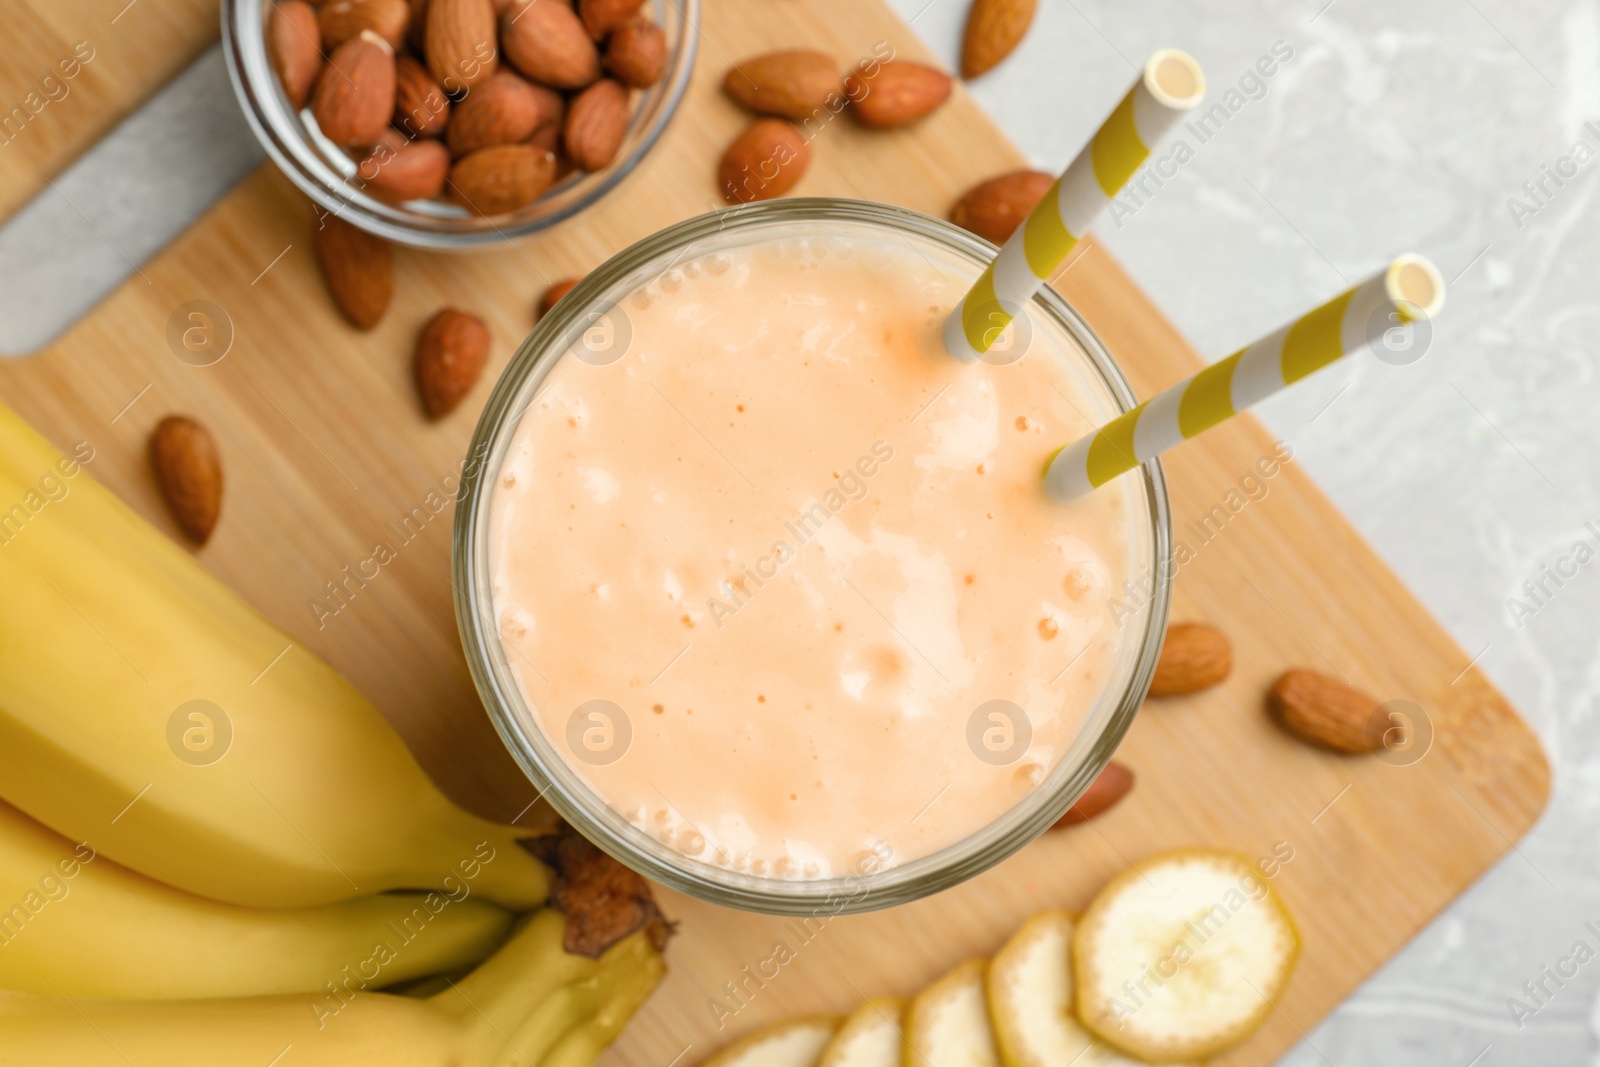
[
  {"x": 947, "y": 1024},
  {"x": 870, "y": 1036},
  {"x": 792, "y": 1043},
  {"x": 1182, "y": 956},
  {"x": 1030, "y": 1000}
]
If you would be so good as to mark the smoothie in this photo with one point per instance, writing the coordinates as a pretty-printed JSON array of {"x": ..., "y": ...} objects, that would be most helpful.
[{"x": 781, "y": 583}]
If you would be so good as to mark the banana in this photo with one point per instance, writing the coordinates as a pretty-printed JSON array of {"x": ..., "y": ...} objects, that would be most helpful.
[
  {"x": 791, "y": 1043},
  {"x": 1030, "y": 1000},
  {"x": 947, "y": 1024},
  {"x": 127, "y": 670},
  {"x": 1183, "y": 956},
  {"x": 529, "y": 1005},
  {"x": 75, "y": 923},
  {"x": 869, "y": 1037}
]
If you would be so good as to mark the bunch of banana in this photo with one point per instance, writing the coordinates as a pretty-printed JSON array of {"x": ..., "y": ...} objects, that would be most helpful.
[
  {"x": 117, "y": 650},
  {"x": 533, "y": 1004},
  {"x": 213, "y": 851}
]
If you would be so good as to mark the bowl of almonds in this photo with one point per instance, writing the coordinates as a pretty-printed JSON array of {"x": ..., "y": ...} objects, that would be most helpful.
[{"x": 454, "y": 123}]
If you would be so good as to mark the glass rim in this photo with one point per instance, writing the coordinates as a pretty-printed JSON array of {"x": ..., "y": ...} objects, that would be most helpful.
[
  {"x": 278, "y": 130},
  {"x": 577, "y": 802}
]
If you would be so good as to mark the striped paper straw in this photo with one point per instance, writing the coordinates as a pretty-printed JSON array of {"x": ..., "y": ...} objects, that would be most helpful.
[
  {"x": 1409, "y": 290},
  {"x": 1171, "y": 84}
]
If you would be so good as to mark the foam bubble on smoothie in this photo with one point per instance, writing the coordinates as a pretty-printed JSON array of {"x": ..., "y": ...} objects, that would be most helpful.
[{"x": 824, "y": 548}]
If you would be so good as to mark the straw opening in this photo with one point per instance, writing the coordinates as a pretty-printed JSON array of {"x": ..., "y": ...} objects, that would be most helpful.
[
  {"x": 1174, "y": 78},
  {"x": 1414, "y": 281}
]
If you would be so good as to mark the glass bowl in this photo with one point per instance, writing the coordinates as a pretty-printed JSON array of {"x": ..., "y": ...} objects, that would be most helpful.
[
  {"x": 325, "y": 173},
  {"x": 581, "y": 326}
]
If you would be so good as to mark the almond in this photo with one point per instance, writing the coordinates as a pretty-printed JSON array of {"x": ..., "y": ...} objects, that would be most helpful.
[
  {"x": 355, "y": 94},
  {"x": 994, "y": 28},
  {"x": 358, "y": 268},
  {"x": 600, "y": 17},
  {"x": 1111, "y": 786},
  {"x": 763, "y": 162},
  {"x": 343, "y": 19},
  {"x": 460, "y": 42},
  {"x": 555, "y": 293},
  {"x": 502, "y": 178},
  {"x": 189, "y": 474},
  {"x": 503, "y": 110},
  {"x": 896, "y": 92},
  {"x": 1324, "y": 711},
  {"x": 407, "y": 170},
  {"x": 995, "y": 208},
  {"x": 451, "y": 352},
  {"x": 546, "y": 42},
  {"x": 420, "y": 107},
  {"x": 295, "y": 45},
  {"x": 597, "y": 121},
  {"x": 792, "y": 84},
  {"x": 636, "y": 53},
  {"x": 1195, "y": 656}
]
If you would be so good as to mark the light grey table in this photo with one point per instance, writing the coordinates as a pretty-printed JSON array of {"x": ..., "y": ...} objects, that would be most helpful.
[{"x": 1394, "y": 127}]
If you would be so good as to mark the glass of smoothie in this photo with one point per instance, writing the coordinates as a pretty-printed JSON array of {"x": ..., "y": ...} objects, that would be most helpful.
[{"x": 762, "y": 588}]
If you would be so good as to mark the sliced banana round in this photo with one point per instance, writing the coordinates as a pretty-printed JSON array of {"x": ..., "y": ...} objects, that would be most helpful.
[
  {"x": 947, "y": 1024},
  {"x": 1030, "y": 1000},
  {"x": 792, "y": 1043},
  {"x": 1182, "y": 956},
  {"x": 870, "y": 1037}
]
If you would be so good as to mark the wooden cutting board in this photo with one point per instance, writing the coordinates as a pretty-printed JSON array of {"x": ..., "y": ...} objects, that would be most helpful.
[
  {"x": 75, "y": 68},
  {"x": 326, "y": 454}
]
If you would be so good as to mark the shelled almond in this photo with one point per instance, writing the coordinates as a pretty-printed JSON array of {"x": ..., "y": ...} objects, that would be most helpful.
[
  {"x": 791, "y": 84},
  {"x": 547, "y": 43},
  {"x": 421, "y": 108},
  {"x": 401, "y": 170},
  {"x": 459, "y": 39},
  {"x": 1324, "y": 711},
  {"x": 763, "y": 162},
  {"x": 993, "y": 209},
  {"x": 553, "y": 294},
  {"x": 501, "y": 178},
  {"x": 596, "y": 123},
  {"x": 295, "y": 45},
  {"x": 994, "y": 29},
  {"x": 1109, "y": 787},
  {"x": 358, "y": 269},
  {"x": 505, "y": 109},
  {"x": 896, "y": 92},
  {"x": 188, "y": 472},
  {"x": 636, "y": 53},
  {"x": 451, "y": 352},
  {"x": 354, "y": 98},
  {"x": 1195, "y": 656}
]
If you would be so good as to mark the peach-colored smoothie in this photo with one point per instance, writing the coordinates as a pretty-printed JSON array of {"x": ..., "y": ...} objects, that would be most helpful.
[{"x": 799, "y": 546}]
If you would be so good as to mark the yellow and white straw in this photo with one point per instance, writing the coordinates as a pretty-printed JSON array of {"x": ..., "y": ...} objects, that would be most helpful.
[
  {"x": 1409, "y": 290},
  {"x": 1171, "y": 84}
]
